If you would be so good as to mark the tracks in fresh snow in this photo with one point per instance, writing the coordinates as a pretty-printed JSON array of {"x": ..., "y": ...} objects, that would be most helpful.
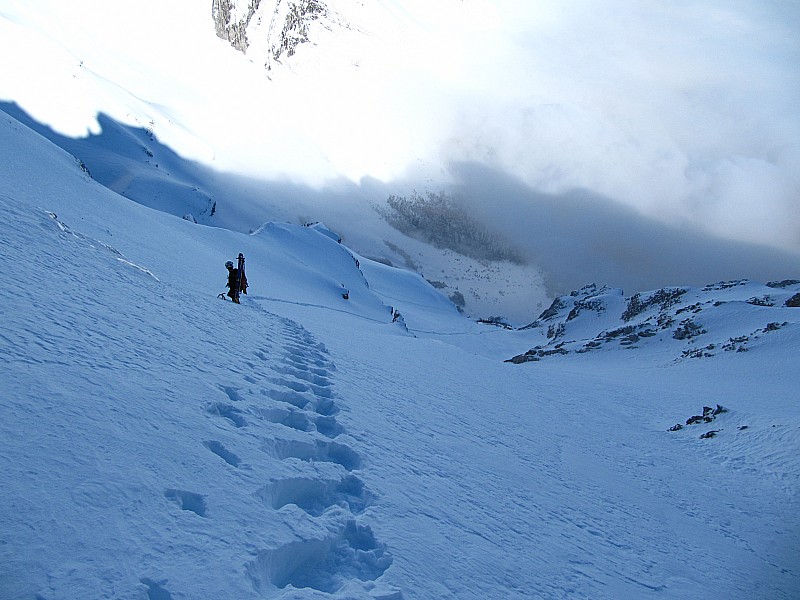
[{"x": 320, "y": 492}]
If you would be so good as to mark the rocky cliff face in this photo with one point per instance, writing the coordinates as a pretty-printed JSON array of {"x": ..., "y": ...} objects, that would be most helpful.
[
  {"x": 270, "y": 30},
  {"x": 230, "y": 23},
  {"x": 296, "y": 25}
]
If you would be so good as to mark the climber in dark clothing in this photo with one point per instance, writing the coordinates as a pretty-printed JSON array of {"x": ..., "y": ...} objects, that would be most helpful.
[{"x": 233, "y": 275}]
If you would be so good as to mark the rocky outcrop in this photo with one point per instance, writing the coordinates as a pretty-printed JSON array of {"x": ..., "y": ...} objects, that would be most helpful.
[
  {"x": 230, "y": 24},
  {"x": 681, "y": 322},
  {"x": 275, "y": 27},
  {"x": 296, "y": 25}
]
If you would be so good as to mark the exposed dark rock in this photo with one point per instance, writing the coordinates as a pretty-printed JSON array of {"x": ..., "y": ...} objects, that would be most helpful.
[
  {"x": 709, "y": 415},
  {"x": 296, "y": 27},
  {"x": 537, "y": 354},
  {"x": 556, "y": 331},
  {"x": 234, "y": 32},
  {"x": 284, "y": 36},
  {"x": 584, "y": 305},
  {"x": 737, "y": 344},
  {"x": 651, "y": 315},
  {"x": 557, "y": 305},
  {"x": 614, "y": 333},
  {"x": 663, "y": 298},
  {"x": 719, "y": 410},
  {"x": 629, "y": 340},
  {"x": 587, "y": 290},
  {"x": 763, "y": 301},
  {"x": 699, "y": 352},
  {"x": 694, "y": 308},
  {"x": 688, "y": 329},
  {"x": 458, "y": 299},
  {"x": 725, "y": 285},
  {"x": 783, "y": 284},
  {"x": 588, "y": 346},
  {"x": 773, "y": 327},
  {"x": 496, "y": 321}
]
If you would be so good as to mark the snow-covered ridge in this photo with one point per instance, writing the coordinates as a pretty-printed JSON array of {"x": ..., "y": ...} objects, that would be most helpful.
[{"x": 683, "y": 322}]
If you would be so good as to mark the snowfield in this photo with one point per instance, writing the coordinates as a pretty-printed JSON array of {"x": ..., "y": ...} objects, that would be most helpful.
[{"x": 159, "y": 443}]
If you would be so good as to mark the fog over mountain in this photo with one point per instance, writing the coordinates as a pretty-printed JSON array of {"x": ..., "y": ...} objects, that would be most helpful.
[{"x": 631, "y": 144}]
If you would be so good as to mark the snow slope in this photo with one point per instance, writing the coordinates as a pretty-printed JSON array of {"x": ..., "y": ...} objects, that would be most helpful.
[{"x": 159, "y": 443}]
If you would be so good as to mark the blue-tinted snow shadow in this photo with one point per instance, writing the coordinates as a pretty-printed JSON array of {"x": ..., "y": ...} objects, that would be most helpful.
[{"x": 133, "y": 163}]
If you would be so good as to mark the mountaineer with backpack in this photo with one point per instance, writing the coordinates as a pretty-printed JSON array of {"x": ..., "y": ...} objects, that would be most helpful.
[{"x": 237, "y": 280}]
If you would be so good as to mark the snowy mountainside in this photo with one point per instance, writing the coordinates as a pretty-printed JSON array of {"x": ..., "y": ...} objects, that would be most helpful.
[
  {"x": 158, "y": 443},
  {"x": 131, "y": 161},
  {"x": 681, "y": 322},
  {"x": 105, "y": 361},
  {"x": 113, "y": 371}
]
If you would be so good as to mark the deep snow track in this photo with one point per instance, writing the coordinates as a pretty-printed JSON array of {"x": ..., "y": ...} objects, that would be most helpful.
[{"x": 341, "y": 553}]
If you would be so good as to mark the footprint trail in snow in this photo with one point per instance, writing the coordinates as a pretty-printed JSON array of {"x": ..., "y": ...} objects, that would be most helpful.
[{"x": 291, "y": 391}]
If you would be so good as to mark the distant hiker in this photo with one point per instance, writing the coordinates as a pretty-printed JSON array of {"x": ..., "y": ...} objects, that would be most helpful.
[{"x": 233, "y": 281}]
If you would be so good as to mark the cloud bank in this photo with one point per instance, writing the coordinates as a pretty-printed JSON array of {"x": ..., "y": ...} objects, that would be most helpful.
[
  {"x": 684, "y": 111},
  {"x": 579, "y": 237}
]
